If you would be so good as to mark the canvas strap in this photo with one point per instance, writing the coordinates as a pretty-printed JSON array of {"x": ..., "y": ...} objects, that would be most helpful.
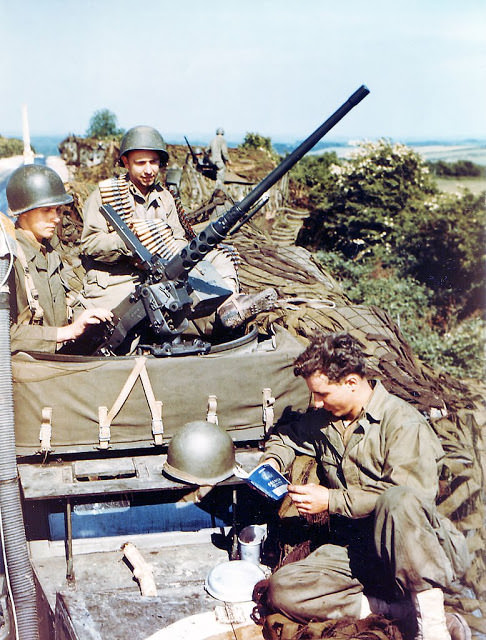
[
  {"x": 36, "y": 311},
  {"x": 45, "y": 432},
  {"x": 268, "y": 413},
  {"x": 105, "y": 417},
  {"x": 212, "y": 415}
]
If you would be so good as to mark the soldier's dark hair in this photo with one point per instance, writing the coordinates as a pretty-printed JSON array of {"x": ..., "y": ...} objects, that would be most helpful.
[{"x": 334, "y": 354}]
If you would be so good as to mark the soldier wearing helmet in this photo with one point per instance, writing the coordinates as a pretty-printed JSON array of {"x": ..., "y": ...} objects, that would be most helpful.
[
  {"x": 38, "y": 303},
  {"x": 111, "y": 274},
  {"x": 219, "y": 156}
]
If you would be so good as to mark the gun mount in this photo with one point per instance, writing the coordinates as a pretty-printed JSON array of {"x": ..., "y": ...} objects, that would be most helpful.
[
  {"x": 163, "y": 299},
  {"x": 204, "y": 166}
]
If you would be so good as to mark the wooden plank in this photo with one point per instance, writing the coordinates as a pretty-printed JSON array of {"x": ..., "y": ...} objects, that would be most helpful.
[{"x": 99, "y": 477}]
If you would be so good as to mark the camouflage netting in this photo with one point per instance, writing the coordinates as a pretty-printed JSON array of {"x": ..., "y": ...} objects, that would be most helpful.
[{"x": 310, "y": 299}]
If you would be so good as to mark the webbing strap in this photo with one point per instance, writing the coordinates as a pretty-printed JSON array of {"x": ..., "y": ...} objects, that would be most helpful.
[
  {"x": 268, "y": 414},
  {"x": 155, "y": 407},
  {"x": 45, "y": 432},
  {"x": 106, "y": 417},
  {"x": 212, "y": 415},
  {"x": 32, "y": 294}
]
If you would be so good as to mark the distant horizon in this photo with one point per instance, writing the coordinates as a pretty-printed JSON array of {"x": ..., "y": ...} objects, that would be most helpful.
[
  {"x": 431, "y": 149},
  {"x": 178, "y": 138}
]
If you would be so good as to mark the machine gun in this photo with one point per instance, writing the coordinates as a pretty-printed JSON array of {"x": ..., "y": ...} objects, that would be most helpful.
[
  {"x": 162, "y": 301},
  {"x": 206, "y": 167}
]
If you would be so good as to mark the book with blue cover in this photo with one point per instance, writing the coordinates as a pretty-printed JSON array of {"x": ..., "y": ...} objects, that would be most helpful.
[{"x": 265, "y": 479}]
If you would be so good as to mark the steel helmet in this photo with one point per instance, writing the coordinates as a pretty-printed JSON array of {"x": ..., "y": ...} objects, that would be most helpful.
[
  {"x": 34, "y": 185},
  {"x": 200, "y": 453},
  {"x": 145, "y": 139},
  {"x": 220, "y": 131}
]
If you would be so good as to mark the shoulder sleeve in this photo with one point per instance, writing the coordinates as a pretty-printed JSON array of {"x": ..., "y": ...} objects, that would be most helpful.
[
  {"x": 96, "y": 240},
  {"x": 170, "y": 210},
  {"x": 27, "y": 337},
  {"x": 405, "y": 452}
]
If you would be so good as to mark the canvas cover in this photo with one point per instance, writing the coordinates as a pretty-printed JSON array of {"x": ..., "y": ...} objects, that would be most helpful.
[{"x": 57, "y": 401}]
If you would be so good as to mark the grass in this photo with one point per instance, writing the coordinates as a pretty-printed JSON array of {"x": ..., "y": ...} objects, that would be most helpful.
[{"x": 456, "y": 185}]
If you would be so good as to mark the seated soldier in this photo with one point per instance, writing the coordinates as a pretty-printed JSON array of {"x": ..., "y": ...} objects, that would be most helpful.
[
  {"x": 386, "y": 549},
  {"x": 139, "y": 196},
  {"x": 38, "y": 307}
]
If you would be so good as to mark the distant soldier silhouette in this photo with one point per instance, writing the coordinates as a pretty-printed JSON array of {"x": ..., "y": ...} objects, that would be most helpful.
[{"x": 219, "y": 156}]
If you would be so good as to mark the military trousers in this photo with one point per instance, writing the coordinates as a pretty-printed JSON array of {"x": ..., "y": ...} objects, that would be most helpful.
[{"x": 405, "y": 546}]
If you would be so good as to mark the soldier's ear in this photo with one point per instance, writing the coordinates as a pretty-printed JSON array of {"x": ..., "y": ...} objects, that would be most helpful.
[
  {"x": 124, "y": 159},
  {"x": 352, "y": 380}
]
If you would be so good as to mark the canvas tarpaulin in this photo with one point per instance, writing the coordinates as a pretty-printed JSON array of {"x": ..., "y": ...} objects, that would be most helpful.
[{"x": 75, "y": 390}]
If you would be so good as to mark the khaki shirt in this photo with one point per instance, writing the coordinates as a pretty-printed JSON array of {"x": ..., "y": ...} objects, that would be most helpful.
[
  {"x": 110, "y": 274},
  {"x": 392, "y": 444},
  {"x": 218, "y": 151},
  {"x": 45, "y": 267}
]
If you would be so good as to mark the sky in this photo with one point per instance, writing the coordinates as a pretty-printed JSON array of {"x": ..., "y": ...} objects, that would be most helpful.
[{"x": 275, "y": 67}]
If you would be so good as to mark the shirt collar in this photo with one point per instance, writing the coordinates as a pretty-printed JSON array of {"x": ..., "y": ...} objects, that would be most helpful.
[
  {"x": 30, "y": 245},
  {"x": 138, "y": 195},
  {"x": 374, "y": 409}
]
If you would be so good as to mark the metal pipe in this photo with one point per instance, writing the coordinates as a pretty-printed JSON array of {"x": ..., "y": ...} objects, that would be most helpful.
[{"x": 17, "y": 558}]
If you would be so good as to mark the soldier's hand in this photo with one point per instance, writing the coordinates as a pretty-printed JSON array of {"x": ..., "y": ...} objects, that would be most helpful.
[
  {"x": 309, "y": 498},
  {"x": 86, "y": 318}
]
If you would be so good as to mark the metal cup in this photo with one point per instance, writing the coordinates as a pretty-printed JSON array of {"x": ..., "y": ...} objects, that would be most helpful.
[{"x": 250, "y": 543}]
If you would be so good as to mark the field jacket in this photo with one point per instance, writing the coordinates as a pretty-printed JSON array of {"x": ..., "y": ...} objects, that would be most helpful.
[
  {"x": 110, "y": 273},
  {"x": 391, "y": 445},
  {"x": 218, "y": 151},
  {"x": 45, "y": 267}
]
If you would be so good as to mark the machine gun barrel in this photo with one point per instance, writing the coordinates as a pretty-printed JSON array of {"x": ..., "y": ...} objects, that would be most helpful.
[
  {"x": 191, "y": 150},
  {"x": 216, "y": 231}
]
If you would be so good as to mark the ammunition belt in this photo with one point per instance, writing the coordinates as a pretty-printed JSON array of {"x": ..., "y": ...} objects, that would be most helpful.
[
  {"x": 116, "y": 192},
  {"x": 155, "y": 235}
]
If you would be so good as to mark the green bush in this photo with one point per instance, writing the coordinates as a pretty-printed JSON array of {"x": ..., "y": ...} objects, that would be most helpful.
[
  {"x": 367, "y": 199},
  {"x": 458, "y": 351},
  {"x": 459, "y": 169},
  {"x": 383, "y": 206},
  {"x": 10, "y": 147},
  {"x": 315, "y": 172},
  {"x": 257, "y": 141},
  {"x": 400, "y": 244},
  {"x": 103, "y": 124},
  {"x": 444, "y": 245}
]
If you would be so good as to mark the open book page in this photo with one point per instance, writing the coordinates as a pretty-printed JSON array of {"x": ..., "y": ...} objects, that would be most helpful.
[{"x": 266, "y": 479}]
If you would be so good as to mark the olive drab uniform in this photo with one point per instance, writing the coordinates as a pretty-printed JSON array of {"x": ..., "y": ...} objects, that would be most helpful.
[
  {"x": 219, "y": 156},
  {"x": 37, "y": 297},
  {"x": 386, "y": 537},
  {"x": 110, "y": 273}
]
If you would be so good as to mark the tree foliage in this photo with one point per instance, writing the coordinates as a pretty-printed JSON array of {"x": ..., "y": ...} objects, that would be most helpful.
[
  {"x": 459, "y": 169},
  {"x": 403, "y": 245},
  {"x": 257, "y": 141},
  {"x": 367, "y": 198},
  {"x": 10, "y": 147},
  {"x": 315, "y": 173},
  {"x": 103, "y": 124}
]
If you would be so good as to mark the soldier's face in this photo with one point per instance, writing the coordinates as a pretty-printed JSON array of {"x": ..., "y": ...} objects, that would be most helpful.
[
  {"x": 41, "y": 222},
  {"x": 336, "y": 397},
  {"x": 143, "y": 168}
]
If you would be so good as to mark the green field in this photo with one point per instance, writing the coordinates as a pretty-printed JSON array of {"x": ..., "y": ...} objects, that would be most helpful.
[{"x": 457, "y": 185}]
